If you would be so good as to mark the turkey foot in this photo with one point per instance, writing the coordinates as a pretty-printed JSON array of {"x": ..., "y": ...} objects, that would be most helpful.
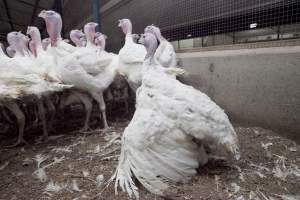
[
  {"x": 20, "y": 142},
  {"x": 45, "y": 138},
  {"x": 85, "y": 129}
]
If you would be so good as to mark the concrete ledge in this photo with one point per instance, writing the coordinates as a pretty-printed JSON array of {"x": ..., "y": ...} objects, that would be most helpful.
[
  {"x": 254, "y": 45},
  {"x": 259, "y": 87}
]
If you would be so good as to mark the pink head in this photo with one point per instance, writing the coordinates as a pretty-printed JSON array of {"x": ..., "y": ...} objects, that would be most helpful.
[
  {"x": 90, "y": 32},
  {"x": 100, "y": 40},
  {"x": 76, "y": 37},
  {"x": 150, "y": 42},
  {"x": 53, "y": 24},
  {"x": 16, "y": 42},
  {"x": 36, "y": 41},
  {"x": 35, "y": 35},
  {"x": 126, "y": 26},
  {"x": 154, "y": 30},
  {"x": 45, "y": 43}
]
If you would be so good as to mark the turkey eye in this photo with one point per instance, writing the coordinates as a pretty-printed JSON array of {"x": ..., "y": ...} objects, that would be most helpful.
[{"x": 150, "y": 95}]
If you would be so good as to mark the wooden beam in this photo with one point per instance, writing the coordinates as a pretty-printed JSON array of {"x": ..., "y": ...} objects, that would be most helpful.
[
  {"x": 8, "y": 15},
  {"x": 14, "y": 23},
  {"x": 30, "y": 4},
  {"x": 33, "y": 16}
]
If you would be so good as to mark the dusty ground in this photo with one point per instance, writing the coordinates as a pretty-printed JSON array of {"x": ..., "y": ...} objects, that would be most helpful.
[{"x": 269, "y": 169}]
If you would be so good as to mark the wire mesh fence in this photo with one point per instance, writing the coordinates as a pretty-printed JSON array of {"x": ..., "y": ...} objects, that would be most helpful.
[{"x": 201, "y": 23}]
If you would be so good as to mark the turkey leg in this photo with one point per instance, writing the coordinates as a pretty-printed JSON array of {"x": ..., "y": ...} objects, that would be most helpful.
[{"x": 15, "y": 109}]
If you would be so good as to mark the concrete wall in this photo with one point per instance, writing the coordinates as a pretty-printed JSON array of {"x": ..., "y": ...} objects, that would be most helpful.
[{"x": 259, "y": 87}]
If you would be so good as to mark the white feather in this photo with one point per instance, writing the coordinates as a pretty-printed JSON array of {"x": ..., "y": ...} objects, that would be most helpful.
[{"x": 157, "y": 146}]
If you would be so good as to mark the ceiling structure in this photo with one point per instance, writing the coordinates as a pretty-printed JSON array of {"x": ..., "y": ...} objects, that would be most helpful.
[{"x": 16, "y": 15}]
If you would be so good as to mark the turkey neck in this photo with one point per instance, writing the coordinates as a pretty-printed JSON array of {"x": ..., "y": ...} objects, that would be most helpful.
[
  {"x": 151, "y": 48},
  {"x": 18, "y": 47},
  {"x": 90, "y": 36},
  {"x": 76, "y": 41},
  {"x": 127, "y": 29},
  {"x": 36, "y": 38},
  {"x": 2, "y": 52},
  {"x": 54, "y": 29},
  {"x": 25, "y": 48},
  {"x": 101, "y": 43},
  {"x": 89, "y": 39}
]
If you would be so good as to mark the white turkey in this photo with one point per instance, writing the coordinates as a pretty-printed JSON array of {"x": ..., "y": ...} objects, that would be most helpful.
[
  {"x": 131, "y": 56},
  {"x": 21, "y": 73},
  {"x": 83, "y": 68},
  {"x": 46, "y": 63},
  {"x": 165, "y": 53},
  {"x": 43, "y": 59},
  {"x": 158, "y": 146},
  {"x": 78, "y": 96},
  {"x": 78, "y": 38},
  {"x": 54, "y": 27},
  {"x": 118, "y": 90},
  {"x": 60, "y": 50},
  {"x": 8, "y": 98}
]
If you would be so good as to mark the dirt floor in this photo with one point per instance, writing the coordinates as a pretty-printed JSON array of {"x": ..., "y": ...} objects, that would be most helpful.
[{"x": 72, "y": 166}]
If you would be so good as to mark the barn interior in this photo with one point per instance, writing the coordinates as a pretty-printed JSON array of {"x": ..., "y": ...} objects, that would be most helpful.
[{"x": 243, "y": 55}]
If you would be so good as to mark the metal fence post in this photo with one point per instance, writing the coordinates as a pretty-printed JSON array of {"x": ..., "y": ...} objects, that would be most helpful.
[{"x": 96, "y": 13}]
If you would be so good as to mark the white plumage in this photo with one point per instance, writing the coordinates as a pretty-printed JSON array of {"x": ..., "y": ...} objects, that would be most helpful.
[
  {"x": 165, "y": 54},
  {"x": 158, "y": 145},
  {"x": 131, "y": 56},
  {"x": 28, "y": 74}
]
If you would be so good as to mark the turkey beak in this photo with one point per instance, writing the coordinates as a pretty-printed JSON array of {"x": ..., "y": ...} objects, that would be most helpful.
[
  {"x": 147, "y": 29},
  {"x": 95, "y": 24},
  {"x": 42, "y": 14},
  {"x": 28, "y": 30},
  {"x": 141, "y": 40},
  {"x": 27, "y": 39},
  {"x": 120, "y": 23}
]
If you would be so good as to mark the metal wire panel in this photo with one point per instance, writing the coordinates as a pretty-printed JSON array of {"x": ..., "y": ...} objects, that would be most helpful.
[{"x": 199, "y": 23}]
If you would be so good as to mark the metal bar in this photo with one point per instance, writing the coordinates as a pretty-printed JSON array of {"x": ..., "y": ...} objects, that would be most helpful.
[
  {"x": 8, "y": 15},
  {"x": 33, "y": 16},
  {"x": 16, "y": 10},
  {"x": 96, "y": 13},
  {"x": 233, "y": 38},
  {"x": 278, "y": 32},
  {"x": 62, "y": 14},
  {"x": 29, "y": 4}
]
